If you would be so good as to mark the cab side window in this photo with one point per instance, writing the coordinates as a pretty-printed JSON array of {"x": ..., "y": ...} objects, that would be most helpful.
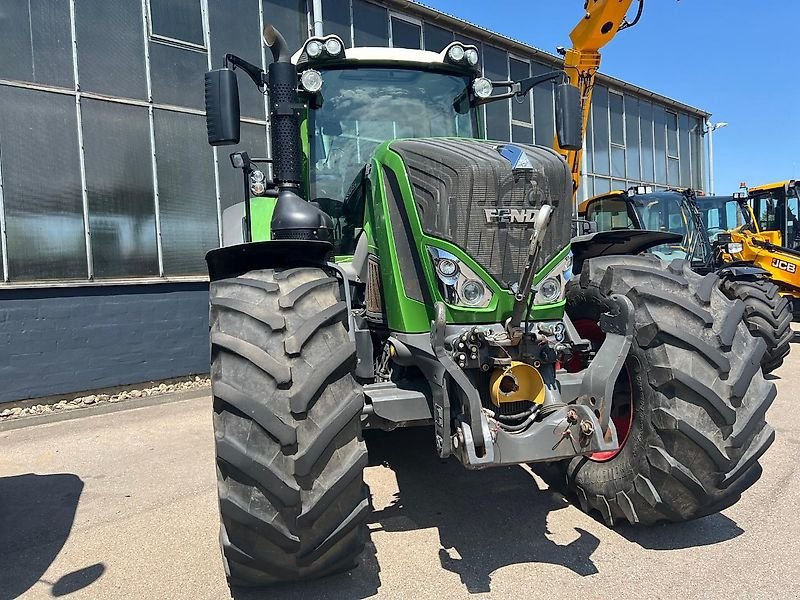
[{"x": 609, "y": 214}]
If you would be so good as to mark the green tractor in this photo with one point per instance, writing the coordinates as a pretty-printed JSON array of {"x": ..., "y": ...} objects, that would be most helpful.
[{"x": 398, "y": 270}]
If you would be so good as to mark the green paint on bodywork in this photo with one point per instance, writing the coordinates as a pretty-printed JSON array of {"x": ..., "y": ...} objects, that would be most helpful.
[
  {"x": 261, "y": 214},
  {"x": 404, "y": 313}
]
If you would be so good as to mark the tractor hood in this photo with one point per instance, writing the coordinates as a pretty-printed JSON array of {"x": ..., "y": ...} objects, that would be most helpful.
[{"x": 484, "y": 196}]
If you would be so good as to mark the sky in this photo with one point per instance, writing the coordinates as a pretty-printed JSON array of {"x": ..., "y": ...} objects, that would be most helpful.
[{"x": 736, "y": 59}]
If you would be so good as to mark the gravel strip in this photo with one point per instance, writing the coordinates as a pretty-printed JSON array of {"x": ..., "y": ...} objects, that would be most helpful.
[{"x": 174, "y": 385}]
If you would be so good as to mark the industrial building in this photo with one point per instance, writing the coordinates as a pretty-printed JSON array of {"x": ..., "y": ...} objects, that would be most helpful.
[{"x": 110, "y": 195}]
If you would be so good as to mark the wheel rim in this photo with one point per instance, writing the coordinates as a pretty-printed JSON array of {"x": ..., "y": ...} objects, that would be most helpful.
[{"x": 621, "y": 412}]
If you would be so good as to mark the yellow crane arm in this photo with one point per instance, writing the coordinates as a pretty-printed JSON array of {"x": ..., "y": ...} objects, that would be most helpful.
[{"x": 602, "y": 20}]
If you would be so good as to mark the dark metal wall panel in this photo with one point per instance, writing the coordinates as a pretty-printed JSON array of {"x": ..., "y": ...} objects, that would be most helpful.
[
  {"x": 87, "y": 338},
  {"x": 111, "y": 47},
  {"x": 42, "y": 185},
  {"x": 235, "y": 29},
  {"x": 336, "y": 16},
  {"x": 176, "y": 75},
  {"x": 290, "y": 17},
  {"x": 35, "y": 41},
  {"x": 254, "y": 142},
  {"x": 186, "y": 192},
  {"x": 370, "y": 24},
  {"x": 119, "y": 178},
  {"x": 178, "y": 20}
]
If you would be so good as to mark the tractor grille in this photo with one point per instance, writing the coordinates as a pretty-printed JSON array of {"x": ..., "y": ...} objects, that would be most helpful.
[{"x": 458, "y": 184}]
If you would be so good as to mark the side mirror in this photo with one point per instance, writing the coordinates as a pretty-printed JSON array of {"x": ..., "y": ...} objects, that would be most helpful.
[
  {"x": 222, "y": 107},
  {"x": 569, "y": 120}
]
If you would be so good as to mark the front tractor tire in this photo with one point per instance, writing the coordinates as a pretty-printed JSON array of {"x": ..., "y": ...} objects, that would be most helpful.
[
  {"x": 695, "y": 390},
  {"x": 290, "y": 456},
  {"x": 767, "y": 314}
]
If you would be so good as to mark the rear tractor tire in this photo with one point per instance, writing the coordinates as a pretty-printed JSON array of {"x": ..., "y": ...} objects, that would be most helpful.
[
  {"x": 290, "y": 456},
  {"x": 695, "y": 428},
  {"x": 767, "y": 314}
]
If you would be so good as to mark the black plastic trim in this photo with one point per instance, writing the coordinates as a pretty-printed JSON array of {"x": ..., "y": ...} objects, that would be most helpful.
[{"x": 232, "y": 261}]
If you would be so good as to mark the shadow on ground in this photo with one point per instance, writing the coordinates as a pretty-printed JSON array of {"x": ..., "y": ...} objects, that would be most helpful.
[
  {"x": 36, "y": 516},
  {"x": 486, "y": 520}
]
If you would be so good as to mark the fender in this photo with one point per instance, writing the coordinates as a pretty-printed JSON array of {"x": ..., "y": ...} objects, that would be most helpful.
[
  {"x": 618, "y": 241},
  {"x": 742, "y": 270},
  {"x": 231, "y": 261}
]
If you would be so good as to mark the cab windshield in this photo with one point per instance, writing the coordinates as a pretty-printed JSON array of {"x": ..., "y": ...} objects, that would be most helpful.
[{"x": 364, "y": 107}]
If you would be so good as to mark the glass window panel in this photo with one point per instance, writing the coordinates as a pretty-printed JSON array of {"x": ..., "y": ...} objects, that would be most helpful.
[
  {"x": 253, "y": 140},
  {"x": 686, "y": 155},
  {"x": 119, "y": 179},
  {"x": 673, "y": 172},
  {"x": 495, "y": 66},
  {"x": 600, "y": 123},
  {"x": 660, "y": 143},
  {"x": 336, "y": 16},
  {"x": 186, "y": 195},
  {"x": 672, "y": 134},
  {"x": 521, "y": 134},
  {"x": 177, "y": 75},
  {"x": 178, "y": 20},
  {"x": 111, "y": 47},
  {"x": 520, "y": 107},
  {"x": 588, "y": 142},
  {"x": 617, "y": 119},
  {"x": 617, "y": 161},
  {"x": 370, "y": 24},
  {"x": 289, "y": 17},
  {"x": 618, "y": 184},
  {"x": 646, "y": 125},
  {"x": 543, "y": 108},
  {"x": 44, "y": 215},
  {"x": 436, "y": 38},
  {"x": 235, "y": 29},
  {"x": 632, "y": 144},
  {"x": 698, "y": 154},
  {"x": 601, "y": 185},
  {"x": 36, "y": 42},
  {"x": 405, "y": 34}
]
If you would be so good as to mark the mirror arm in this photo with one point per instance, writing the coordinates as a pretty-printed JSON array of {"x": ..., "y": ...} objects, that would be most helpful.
[
  {"x": 255, "y": 73},
  {"x": 521, "y": 87}
]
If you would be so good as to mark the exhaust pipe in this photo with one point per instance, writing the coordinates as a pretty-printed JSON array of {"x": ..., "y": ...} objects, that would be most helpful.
[{"x": 293, "y": 217}]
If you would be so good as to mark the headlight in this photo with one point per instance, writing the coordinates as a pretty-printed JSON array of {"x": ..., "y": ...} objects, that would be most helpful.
[
  {"x": 456, "y": 53},
  {"x": 458, "y": 284},
  {"x": 314, "y": 48},
  {"x": 257, "y": 176},
  {"x": 447, "y": 267},
  {"x": 311, "y": 81},
  {"x": 333, "y": 46},
  {"x": 482, "y": 87},
  {"x": 472, "y": 56},
  {"x": 257, "y": 188},
  {"x": 735, "y": 247},
  {"x": 550, "y": 290},
  {"x": 472, "y": 292}
]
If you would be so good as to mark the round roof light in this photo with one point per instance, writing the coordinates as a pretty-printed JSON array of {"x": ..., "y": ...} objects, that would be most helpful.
[
  {"x": 314, "y": 48},
  {"x": 472, "y": 56},
  {"x": 456, "y": 53},
  {"x": 311, "y": 81},
  {"x": 482, "y": 87},
  {"x": 333, "y": 46}
]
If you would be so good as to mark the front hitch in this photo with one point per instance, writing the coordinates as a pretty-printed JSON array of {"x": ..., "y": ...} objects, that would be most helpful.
[{"x": 597, "y": 386}]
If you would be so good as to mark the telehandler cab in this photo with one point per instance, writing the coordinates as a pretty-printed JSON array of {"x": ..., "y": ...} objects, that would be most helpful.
[
  {"x": 402, "y": 271},
  {"x": 703, "y": 223}
]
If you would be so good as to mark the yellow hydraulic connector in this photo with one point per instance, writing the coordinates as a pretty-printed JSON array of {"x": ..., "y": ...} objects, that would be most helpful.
[{"x": 516, "y": 383}]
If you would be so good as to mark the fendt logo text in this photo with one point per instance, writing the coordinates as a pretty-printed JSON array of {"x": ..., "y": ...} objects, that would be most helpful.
[
  {"x": 784, "y": 265},
  {"x": 510, "y": 215}
]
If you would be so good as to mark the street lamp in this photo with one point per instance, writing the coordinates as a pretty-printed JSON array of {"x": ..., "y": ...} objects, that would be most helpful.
[{"x": 710, "y": 129}]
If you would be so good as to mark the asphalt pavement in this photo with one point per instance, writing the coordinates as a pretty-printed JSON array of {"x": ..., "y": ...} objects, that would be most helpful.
[{"x": 123, "y": 505}]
